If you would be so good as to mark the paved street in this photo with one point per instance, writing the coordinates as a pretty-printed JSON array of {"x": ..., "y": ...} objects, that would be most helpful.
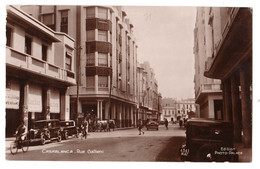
[{"x": 119, "y": 145}]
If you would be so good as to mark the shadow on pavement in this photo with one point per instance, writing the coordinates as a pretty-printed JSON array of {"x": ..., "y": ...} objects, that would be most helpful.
[{"x": 170, "y": 153}]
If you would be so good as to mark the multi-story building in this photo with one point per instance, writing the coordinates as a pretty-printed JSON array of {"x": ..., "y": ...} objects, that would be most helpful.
[
  {"x": 173, "y": 109},
  {"x": 39, "y": 69},
  {"x": 148, "y": 98},
  {"x": 169, "y": 110},
  {"x": 208, "y": 93},
  {"x": 106, "y": 59},
  {"x": 229, "y": 59}
]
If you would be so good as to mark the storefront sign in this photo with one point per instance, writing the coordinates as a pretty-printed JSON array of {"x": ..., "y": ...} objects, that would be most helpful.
[
  {"x": 12, "y": 95},
  {"x": 35, "y": 99},
  {"x": 55, "y": 101}
]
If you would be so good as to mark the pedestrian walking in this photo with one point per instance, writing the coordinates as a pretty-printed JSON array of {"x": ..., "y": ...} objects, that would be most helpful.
[
  {"x": 140, "y": 127},
  {"x": 84, "y": 127},
  {"x": 166, "y": 123}
]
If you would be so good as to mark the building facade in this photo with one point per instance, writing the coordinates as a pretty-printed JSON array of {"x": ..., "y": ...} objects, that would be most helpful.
[
  {"x": 208, "y": 93},
  {"x": 230, "y": 60},
  {"x": 148, "y": 97},
  {"x": 106, "y": 59},
  {"x": 173, "y": 109},
  {"x": 39, "y": 70}
]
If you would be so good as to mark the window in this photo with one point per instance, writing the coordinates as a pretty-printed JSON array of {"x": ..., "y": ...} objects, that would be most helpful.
[
  {"x": 8, "y": 36},
  {"x": 28, "y": 45},
  {"x": 102, "y": 59},
  {"x": 68, "y": 61},
  {"x": 102, "y": 13},
  {"x": 102, "y": 81},
  {"x": 91, "y": 59},
  {"x": 44, "y": 52},
  {"x": 91, "y": 12},
  {"x": 48, "y": 20},
  {"x": 90, "y": 80},
  {"x": 102, "y": 36},
  {"x": 111, "y": 40},
  {"x": 64, "y": 21},
  {"x": 91, "y": 35}
]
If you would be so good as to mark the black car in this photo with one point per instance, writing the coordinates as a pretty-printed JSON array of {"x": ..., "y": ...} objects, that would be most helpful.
[
  {"x": 208, "y": 140},
  {"x": 68, "y": 128},
  {"x": 152, "y": 124},
  {"x": 45, "y": 130}
]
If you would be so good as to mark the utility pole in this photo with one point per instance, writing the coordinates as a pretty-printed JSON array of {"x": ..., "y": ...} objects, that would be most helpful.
[
  {"x": 78, "y": 51},
  {"x": 110, "y": 91}
]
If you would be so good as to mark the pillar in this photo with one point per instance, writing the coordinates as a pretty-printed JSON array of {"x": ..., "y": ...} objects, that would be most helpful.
[
  {"x": 131, "y": 116},
  {"x": 25, "y": 104},
  {"x": 101, "y": 110},
  {"x": 46, "y": 102},
  {"x": 246, "y": 107},
  {"x": 227, "y": 100},
  {"x": 98, "y": 109},
  {"x": 236, "y": 113},
  {"x": 113, "y": 113},
  {"x": 123, "y": 115},
  {"x": 64, "y": 105},
  {"x": 107, "y": 110},
  {"x": 127, "y": 115},
  {"x": 120, "y": 115}
]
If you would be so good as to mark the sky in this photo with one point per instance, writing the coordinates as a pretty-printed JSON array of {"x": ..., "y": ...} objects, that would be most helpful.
[{"x": 164, "y": 35}]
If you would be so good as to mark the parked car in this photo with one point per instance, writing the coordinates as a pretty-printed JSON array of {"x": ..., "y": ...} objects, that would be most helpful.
[
  {"x": 45, "y": 130},
  {"x": 208, "y": 140},
  {"x": 69, "y": 128},
  {"x": 152, "y": 124}
]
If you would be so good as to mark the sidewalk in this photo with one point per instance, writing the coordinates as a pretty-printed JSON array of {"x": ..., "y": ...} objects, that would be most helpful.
[{"x": 9, "y": 140}]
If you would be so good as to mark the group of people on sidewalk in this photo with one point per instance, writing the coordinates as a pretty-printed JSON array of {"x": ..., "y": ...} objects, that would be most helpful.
[{"x": 22, "y": 130}]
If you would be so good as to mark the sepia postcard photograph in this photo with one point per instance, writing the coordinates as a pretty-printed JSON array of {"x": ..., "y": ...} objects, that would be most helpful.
[{"x": 128, "y": 83}]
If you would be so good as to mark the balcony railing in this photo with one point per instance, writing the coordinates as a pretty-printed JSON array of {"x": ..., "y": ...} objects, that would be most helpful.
[
  {"x": 36, "y": 65},
  {"x": 208, "y": 88}
]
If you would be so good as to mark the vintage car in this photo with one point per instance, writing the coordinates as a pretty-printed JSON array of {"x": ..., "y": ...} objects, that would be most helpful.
[
  {"x": 69, "y": 128},
  {"x": 162, "y": 122},
  {"x": 208, "y": 140},
  {"x": 45, "y": 130},
  {"x": 152, "y": 124}
]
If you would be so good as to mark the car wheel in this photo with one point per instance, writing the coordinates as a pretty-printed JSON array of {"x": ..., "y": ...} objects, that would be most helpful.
[
  {"x": 42, "y": 139},
  {"x": 59, "y": 136},
  {"x": 66, "y": 135}
]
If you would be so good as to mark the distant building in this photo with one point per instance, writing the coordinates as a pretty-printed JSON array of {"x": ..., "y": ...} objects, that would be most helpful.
[
  {"x": 173, "y": 109},
  {"x": 39, "y": 70},
  {"x": 147, "y": 93}
]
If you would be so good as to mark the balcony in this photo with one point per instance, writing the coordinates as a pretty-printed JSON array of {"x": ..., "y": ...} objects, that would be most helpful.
[
  {"x": 97, "y": 23},
  {"x": 208, "y": 88},
  {"x": 31, "y": 64}
]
